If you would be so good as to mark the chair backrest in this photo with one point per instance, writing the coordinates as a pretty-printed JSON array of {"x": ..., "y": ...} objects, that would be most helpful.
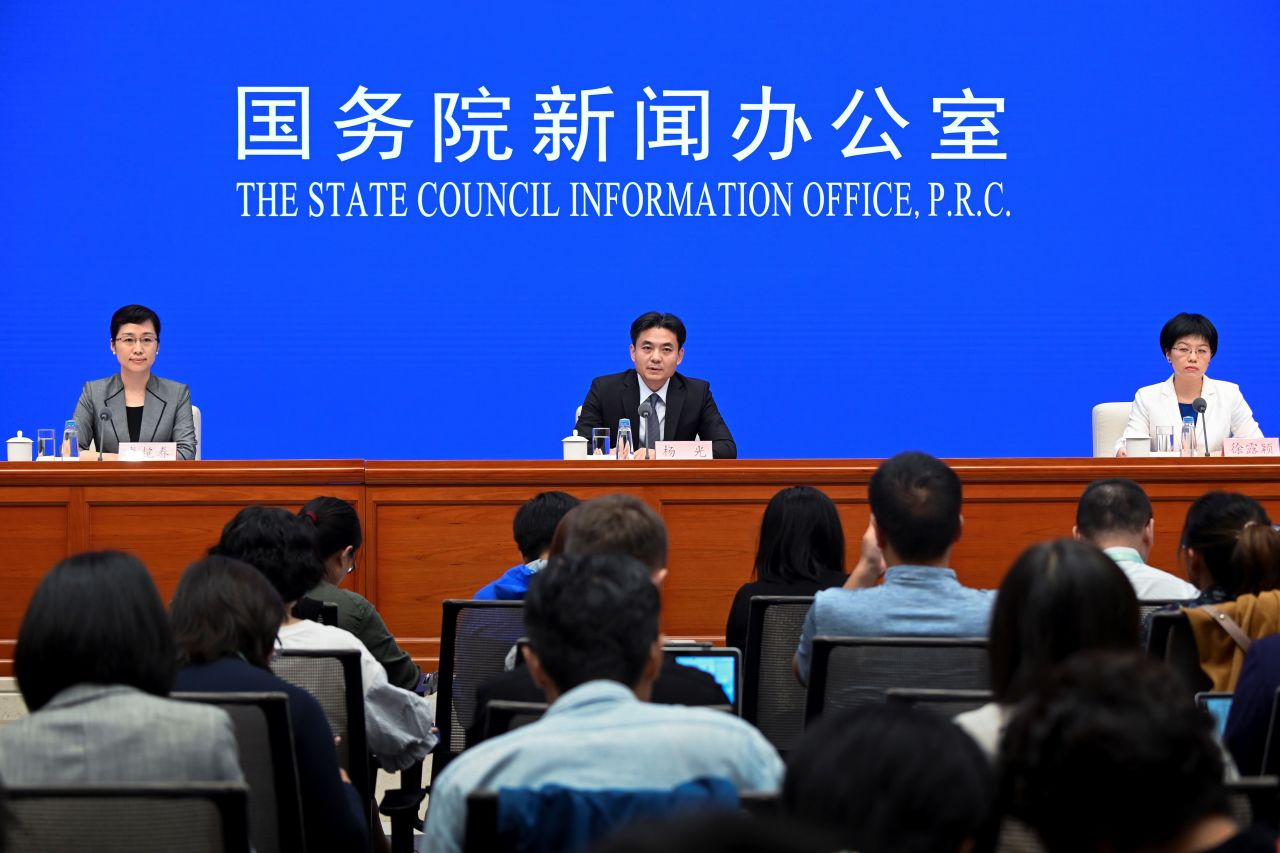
[
  {"x": 947, "y": 703},
  {"x": 582, "y": 816},
  {"x": 265, "y": 738},
  {"x": 475, "y": 638},
  {"x": 1147, "y": 606},
  {"x": 1172, "y": 641},
  {"x": 129, "y": 818},
  {"x": 847, "y": 672},
  {"x": 333, "y": 677},
  {"x": 195, "y": 417},
  {"x": 502, "y": 716},
  {"x": 1109, "y": 420},
  {"x": 772, "y": 697}
]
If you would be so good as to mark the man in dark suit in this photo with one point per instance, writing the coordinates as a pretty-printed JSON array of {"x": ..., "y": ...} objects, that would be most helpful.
[{"x": 683, "y": 408}]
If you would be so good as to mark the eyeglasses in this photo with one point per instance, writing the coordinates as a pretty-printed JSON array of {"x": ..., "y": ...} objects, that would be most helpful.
[
  {"x": 1201, "y": 352},
  {"x": 147, "y": 341}
]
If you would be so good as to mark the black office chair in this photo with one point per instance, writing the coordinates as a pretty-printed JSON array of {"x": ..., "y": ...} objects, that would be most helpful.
[
  {"x": 1173, "y": 642},
  {"x": 264, "y": 735},
  {"x": 847, "y": 672},
  {"x": 947, "y": 703},
  {"x": 1147, "y": 606},
  {"x": 772, "y": 696},
  {"x": 502, "y": 716},
  {"x": 129, "y": 818},
  {"x": 475, "y": 639}
]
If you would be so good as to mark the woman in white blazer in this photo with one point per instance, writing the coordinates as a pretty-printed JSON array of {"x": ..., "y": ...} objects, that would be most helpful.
[{"x": 1190, "y": 342}]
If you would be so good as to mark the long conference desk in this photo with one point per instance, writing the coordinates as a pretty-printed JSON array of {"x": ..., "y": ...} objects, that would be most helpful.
[{"x": 438, "y": 530}]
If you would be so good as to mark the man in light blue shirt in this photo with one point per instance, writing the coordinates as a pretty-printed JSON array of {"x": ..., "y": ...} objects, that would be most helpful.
[
  {"x": 533, "y": 527},
  {"x": 595, "y": 650},
  {"x": 915, "y": 517},
  {"x": 1116, "y": 516}
]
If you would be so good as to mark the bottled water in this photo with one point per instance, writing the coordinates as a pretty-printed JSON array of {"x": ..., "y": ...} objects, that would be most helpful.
[
  {"x": 625, "y": 445},
  {"x": 1188, "y": 436},
  {"x": 71, "y": 440}
]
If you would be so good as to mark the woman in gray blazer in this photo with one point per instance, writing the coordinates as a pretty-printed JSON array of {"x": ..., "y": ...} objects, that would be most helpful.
[
  {"x": 95, "y": 662},
  {"x": 134, "y": 404}
]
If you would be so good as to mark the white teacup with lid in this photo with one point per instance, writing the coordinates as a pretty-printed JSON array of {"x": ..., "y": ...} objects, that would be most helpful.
[
  {"x": 575, "y": 446},
  {"x": 19, "y": 448}
]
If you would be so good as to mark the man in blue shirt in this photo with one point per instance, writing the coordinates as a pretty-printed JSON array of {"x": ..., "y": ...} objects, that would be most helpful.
[
  {"x": 534, "y": 526},
  {"x": 915, "y": 516},
  {"x": 595, "y": 650}
]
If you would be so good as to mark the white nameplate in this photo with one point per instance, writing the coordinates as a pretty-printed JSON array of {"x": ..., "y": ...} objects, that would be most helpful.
[
  {"x": 683, "y": 449},
  {"x": 148, "y": 451},
  {"x": 1251, "y": 447}
]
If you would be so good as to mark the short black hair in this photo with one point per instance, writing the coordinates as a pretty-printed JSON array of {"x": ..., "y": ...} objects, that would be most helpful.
[
  {"x": 915, "y": 499},
  {"x": 536, "y": 521},
  {"x": 1112, "y": 506},
  {"x": 591, "y": 618},
  {"x": 1188, "y": 325},
  {"x": 277, "y": 543},
  {"x": 1058, "y": 598},
  {"x": 336, "y": 522},
  {"x": 658, "y": 320},
  {"x": 801, "y": 537},
  {"x": 1111, "y": 754},
  {"x": 1214, "y": 529},
  {"x": 95, "y": 618},
  {"x": 616, "y": 524},
  {"x": 892, "y": 780},
  {"x": 136, "y": 314},
  {"x": 223, "y": 608}
]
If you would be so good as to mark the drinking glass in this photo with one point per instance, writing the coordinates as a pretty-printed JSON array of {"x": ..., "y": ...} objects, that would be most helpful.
[
  {"x": 600, "y": 441},
  {"x": 1162, "y": 439},
  {"x": 44, "y": 444}
]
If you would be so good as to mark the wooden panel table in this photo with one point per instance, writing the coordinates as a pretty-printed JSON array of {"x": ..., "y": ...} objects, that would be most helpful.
[{"x": 437, "y": 530}]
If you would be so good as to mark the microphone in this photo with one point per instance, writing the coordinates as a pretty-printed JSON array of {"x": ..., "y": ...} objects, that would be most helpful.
[
  {"x": 1200, "y": 405},
  {"x": 646, "y": 412},
  {"x": 105, "y": 417}
]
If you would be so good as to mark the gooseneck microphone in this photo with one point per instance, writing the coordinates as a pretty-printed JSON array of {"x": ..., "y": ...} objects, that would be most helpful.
[
  {"x": 646, "y": 412},
  {"x": 104, "y": 418},
  {"x": 1200, "y": 405}
]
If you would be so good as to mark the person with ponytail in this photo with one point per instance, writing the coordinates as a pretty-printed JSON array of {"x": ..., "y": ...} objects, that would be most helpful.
[
  {"x": 1232, "y": 554},
  {"x": 338, "y": 537}
]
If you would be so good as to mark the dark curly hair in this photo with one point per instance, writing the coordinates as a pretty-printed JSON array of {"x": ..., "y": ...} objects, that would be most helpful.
[{"x": 277, "y": 543}]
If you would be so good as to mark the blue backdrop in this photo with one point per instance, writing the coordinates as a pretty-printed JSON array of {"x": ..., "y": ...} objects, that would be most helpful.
[{"x": 1140, "y": 180}]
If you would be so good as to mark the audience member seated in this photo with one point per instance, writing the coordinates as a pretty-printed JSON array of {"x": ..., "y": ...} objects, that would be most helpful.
[
  {"x": 1116, "y": 516},
  {"x": 915, "y": 512},
  {"x": 1207, "y": 548},
  {"x": 338, "y": 537},
  {"x": 225, "y": 617},
  {"x": 282, "y": 547},
  {"x": 594, "y": 649},
  {"x": 893, "y": 780},
  {"x": 1057, "y": 599},
  {"x": 1112, "y": 756},
  {"x": 1225, "y": 631},
  {"x": 801, "y": 551},
  {"x": 612, "y": 524},
  {"x": 534, "y": 526},
  {"x": 95, "y": 663},
  {"x": 1251, "y": 706}
]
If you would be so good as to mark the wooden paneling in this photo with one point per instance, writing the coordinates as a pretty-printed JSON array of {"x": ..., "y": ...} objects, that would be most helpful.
[{"x": 437, "y": 530}]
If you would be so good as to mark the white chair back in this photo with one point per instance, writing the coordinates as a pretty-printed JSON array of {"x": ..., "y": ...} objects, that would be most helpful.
[
  {"x": 195, "y": 416},
  {"x": 1108, "y": 425}
]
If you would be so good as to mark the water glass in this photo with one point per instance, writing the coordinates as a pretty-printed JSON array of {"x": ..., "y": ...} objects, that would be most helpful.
[
  {"x": 44, "y": 444},
  {"x": 1162, "y": 440},
  {"x": 600, "y": 441}
]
